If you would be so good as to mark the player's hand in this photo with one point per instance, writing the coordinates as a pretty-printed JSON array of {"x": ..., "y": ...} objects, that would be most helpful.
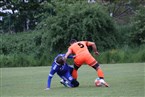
[
  {"x": 47, "y": 89},
  {"x": 65, "y": 60},
  {"x": 96, "y": 53},
  {"x": 74, "y": 56}
]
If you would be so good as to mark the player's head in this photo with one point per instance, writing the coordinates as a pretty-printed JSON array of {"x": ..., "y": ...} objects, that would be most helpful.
[
  {"x": 60, "y": 60},
  {"x": 72, "y": 41}
]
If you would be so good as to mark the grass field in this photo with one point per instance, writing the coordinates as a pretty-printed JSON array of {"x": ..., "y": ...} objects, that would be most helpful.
[{"x": 126, "y": 80}]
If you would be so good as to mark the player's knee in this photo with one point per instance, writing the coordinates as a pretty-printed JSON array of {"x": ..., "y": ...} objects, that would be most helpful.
[
  {"x": 76, "y": 67},
  {"x": 75, "y": 83},
  {"x": 96, "y": 66}
]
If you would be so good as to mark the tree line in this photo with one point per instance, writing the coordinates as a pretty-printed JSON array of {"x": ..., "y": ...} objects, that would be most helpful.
[
  {"x": 22, "y": 15},
  {"x": 55, "y": 22}
]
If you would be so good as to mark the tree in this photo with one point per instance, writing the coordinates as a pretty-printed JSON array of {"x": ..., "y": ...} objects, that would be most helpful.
[
  {"x": 29, "y": 13},
  {"x": 82, "y": 21},
  {"x": 122, "y": 10},
  {"x": 138, "y": 35}
]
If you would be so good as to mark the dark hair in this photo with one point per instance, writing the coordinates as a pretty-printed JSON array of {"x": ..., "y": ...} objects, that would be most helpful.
[
  {"x": 72, "y": 41},
  {"x": 60, "y": 60}
]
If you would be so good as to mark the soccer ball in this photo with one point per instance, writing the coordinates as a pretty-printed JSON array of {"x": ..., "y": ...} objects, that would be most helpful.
[{"x": 98, "y": 82}]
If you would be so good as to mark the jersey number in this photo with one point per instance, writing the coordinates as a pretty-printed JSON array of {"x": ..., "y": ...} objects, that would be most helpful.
[{"x": 80, "y": 45}]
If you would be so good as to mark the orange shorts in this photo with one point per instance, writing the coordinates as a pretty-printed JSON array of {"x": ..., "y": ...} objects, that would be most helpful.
[{"x": 85, "y": 58}]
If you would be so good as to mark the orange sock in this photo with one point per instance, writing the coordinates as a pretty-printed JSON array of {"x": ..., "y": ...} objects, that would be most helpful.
[
  {"x": 75, "y": 74},
  {"x": 100, "y": 73}
]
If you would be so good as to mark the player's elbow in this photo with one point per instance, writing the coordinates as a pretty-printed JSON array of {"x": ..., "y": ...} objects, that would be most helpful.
[{"x": 93, "y": 45}]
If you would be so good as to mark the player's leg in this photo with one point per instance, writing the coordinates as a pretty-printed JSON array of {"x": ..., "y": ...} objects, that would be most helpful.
[
  {"x": 99, "y": 71},
  {"x": 70, "y": 69},
  {"x": 91, "y": 61},
  {"x": 62, "y": 81},
  {"x": 100, "y": 74},
  {"x": 75, "y": 83},
  {"x": 74, "y": 72},
  {"x": 71, "y": 81},
  {"x": 78, "y": 61},
  {"x": 65, "y": 82}
]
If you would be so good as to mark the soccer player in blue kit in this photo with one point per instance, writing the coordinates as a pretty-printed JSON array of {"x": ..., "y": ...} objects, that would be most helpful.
[{"x": 64, "y": 71}]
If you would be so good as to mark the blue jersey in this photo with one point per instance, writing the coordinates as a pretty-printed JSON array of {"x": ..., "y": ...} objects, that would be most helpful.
[{"x": 61, "y": 70}]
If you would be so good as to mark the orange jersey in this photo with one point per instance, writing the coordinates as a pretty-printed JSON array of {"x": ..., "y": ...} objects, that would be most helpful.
[
  {"x": 82, "y": 53},
  {"x": 79, "y": 47}
]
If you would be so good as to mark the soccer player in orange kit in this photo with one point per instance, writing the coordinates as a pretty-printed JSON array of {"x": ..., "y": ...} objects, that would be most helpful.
[{"x": 83, "y": 56}]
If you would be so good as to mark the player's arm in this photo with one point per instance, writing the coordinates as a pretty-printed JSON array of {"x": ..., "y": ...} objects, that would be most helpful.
[
  {"x": 52, "y": 72},
  {"x": 67, "y": 54},
  {"x": 71, "y": 56},
  {"x": 93, "y": 45},
  {"x": 48, "y": 82}
]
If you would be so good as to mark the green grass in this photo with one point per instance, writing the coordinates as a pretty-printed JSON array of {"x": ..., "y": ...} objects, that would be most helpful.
[{"x": 126, "y": 80}]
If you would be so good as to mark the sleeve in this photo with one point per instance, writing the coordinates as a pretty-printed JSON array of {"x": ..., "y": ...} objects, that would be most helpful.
[
  {"x": 88, "y": 43},
  {"x": 52, "y": 72},
  {"x": 71, "y": 56},
  {"x": 63, "y": 55},
  {"x": 49, "y": 82}
]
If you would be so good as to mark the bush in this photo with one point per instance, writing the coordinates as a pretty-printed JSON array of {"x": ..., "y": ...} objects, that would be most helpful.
[
  {"x": 25, "y": 49},
  {"x": 90, "y": 22},
  {"x": 138, "y": 34},
  {"x": 124, "y": 55},
  {"x": 17, "y": 60}
]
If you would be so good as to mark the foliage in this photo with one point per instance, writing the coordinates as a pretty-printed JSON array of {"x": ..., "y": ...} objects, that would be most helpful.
[
  {"x": 124, "y": 32},
  {"x": 60, "y": 22},
  {"x": 122, "y": 10},
  {"x": 35, "y": 51},
  {"x": 17, "y": 60},
  {"x": 14, "y": 44},
  {"x": 138, "y": 35},
  {"x": 25, "y": 48},
  {"x": 124, "y": 55},
  {"x": 90, "y": 22},
  {"x": 28, "y": 15}
]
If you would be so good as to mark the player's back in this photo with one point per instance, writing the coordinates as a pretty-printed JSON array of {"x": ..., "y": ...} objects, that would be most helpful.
[{"x": 79, "y": 47}]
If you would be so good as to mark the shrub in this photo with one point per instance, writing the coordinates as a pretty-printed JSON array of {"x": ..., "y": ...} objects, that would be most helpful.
[
  {"x": 90, "y": 22},
  {"x": 138, "y": 34},
  {"x": 124, "y": 55}
]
